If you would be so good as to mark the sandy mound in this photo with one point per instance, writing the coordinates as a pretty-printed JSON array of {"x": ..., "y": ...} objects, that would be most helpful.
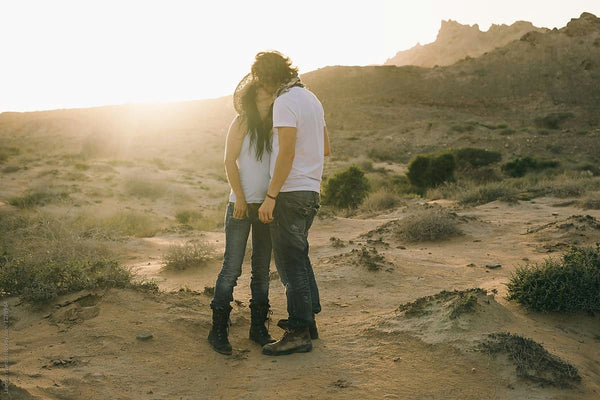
[
  {"x": 576, "y": 230},
  {"x": 459, "y": 317},
  {"x": 472, "y": 322},
  {"x": 366, "y": 257},
  {"x": 531, "y": 360}
]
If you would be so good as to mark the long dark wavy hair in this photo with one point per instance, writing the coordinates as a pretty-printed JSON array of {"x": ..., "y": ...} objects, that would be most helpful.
[{"x": 259, "y": 129}]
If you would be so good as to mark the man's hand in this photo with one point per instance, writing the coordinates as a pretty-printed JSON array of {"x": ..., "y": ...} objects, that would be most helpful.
[
  {"x": 240, "y": 209},
  {"x": 265, "y": 212}
]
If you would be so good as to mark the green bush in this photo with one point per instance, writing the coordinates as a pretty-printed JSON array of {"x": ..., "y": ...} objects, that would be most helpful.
[
  {"x": 427, "y": 171},
  {"x": 476, "y": 158},
  {"x": 569, "y": 284},
  {"x": 520, "y": 166},
  {"x": 346, "y": 189},
  {"x": 553, "y": 121}
]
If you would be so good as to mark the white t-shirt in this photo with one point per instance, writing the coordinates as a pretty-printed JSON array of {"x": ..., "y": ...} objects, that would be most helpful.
[{"x": 299, "y": 108}]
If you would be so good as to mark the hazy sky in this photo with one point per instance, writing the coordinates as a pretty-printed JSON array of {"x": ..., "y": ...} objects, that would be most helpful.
[{"x": 63, "y": 54}]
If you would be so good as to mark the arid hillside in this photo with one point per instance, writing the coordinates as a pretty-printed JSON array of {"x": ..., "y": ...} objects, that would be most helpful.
[{"x": 456, "y": 41}]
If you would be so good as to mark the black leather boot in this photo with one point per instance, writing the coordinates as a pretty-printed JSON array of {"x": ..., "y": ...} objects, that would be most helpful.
[
  {"x": 218, "y": 334},
  {"x": 258, "y": 316}
]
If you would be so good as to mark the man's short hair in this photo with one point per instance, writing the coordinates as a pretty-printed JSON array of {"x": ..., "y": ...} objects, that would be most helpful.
[{"x": 273, "y": 68}]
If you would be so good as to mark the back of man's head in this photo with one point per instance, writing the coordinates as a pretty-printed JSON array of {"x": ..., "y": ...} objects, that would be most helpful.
[{"x": 272, "y": 68}]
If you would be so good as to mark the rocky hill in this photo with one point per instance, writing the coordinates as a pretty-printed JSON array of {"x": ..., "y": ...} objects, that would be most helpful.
[
  {"x": 521, "y": 88},
  {"x": 456, "y": 41}
]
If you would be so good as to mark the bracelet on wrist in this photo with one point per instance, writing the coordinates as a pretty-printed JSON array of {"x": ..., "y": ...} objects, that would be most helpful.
[{"x": 271, "y": 197}]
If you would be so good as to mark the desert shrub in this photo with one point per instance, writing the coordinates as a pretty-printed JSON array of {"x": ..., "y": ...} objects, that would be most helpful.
[
  {"x": 591, "y": 201},
  {"x": 206, "y": 220},
  {"x": 37, "y": 197},
  {"x": 564, "y": 185},
  {"x": 483, "y": 194},
  {"x": 430, "y": 171},
  {"x": 10, "y": 169},
  {"x": 386, "y": 153},
  {"x": 472, "y": 157},
  {"x": 591, "y": 168},
  {"x": 131, "y": 223},
  {"x": 507, "y": 132},
  {"x": 146, "y": 188},
  {"x": 428, "y": 225},
  {"x": 7, "y": 152},
  {"x": 380, "y": 200},
  {"x": 45, "y": 256},
  {"x": 191, "y": 254},
  {"x": 552, "y": 121},
  {"x": 520, "y": 166},
  {"x": 464, "y": 127},
  {"x": 568, "y": 284},
  {"x": 346, "y": 189}
]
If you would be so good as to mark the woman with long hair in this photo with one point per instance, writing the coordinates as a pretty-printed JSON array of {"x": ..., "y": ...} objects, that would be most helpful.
[{"x": 247, "y": 155}]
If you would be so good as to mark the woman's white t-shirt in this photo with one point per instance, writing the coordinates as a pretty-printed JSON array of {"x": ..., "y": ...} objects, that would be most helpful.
[{"x": 254, "y": 174}]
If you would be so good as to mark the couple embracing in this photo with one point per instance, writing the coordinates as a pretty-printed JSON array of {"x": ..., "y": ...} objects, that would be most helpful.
[{"x": 274, "y": 162}]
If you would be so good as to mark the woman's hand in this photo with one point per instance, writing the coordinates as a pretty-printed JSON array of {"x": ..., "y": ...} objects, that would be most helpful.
[{"x": 240, "y": 209}]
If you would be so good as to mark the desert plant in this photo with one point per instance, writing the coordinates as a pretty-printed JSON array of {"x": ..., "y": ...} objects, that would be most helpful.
[
  {"x": 428, "y": 225},
  {"x": 190, "y": 254},
  {"x": 591, "y": 201},
  {"x": 427, "y": 171},
  {"x": 482, "y": 194},
  {"x": 131, "y": 223},
  {"x": 553, "y": 120},
  {"x": 520, "y": 166},
  {"x": 382, "y": 199},
  {"x": 568, "y": 284},
  {"x": 346, "y": 189},
  {"x": 145, "y": 188},
  {"x": 475, "y": 158},
  {"x": 37, "y": 197},
  {"x": 45, "y": 256}
]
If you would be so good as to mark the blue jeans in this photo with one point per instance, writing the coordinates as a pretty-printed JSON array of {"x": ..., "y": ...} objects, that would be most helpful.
[
  {"x": 294, "y": 213},
  {"x": 236, "y": 237}
]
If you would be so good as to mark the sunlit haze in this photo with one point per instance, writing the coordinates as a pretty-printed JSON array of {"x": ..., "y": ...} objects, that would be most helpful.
[{"x": 64, "y": 54}]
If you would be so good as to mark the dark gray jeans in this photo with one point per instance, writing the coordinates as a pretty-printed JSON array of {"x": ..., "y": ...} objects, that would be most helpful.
[{"x": 294, "y": 213}]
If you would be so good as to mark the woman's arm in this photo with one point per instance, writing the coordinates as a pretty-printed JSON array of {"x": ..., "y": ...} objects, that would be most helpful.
[
  {"x": 233, "y": 145},
  {"x": 327, "y": 149}
]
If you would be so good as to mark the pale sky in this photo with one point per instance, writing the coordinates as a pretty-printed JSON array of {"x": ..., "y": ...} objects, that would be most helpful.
[{"x": 65, "y": 54}]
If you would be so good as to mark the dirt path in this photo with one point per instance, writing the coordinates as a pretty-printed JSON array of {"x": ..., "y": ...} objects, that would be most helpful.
[{"x": 87, "y": 348}]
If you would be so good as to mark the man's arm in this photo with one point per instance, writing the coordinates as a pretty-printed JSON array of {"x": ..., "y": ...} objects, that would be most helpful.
[
  {"x": 233, "y": 145},
  {"x": 283, "y": 166},
  {"x": 327, "y": 151}
]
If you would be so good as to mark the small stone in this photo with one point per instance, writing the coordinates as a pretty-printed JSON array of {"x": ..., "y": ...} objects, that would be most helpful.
[
  {"x": 144, "y": 336},
  {"x": 397, "y": 359},
  {"x": 555, "y": 214},
  {"x": 471, "y": 265},
  {"x": 493, "y": 266},
  {"x": 472, "y": 369}
]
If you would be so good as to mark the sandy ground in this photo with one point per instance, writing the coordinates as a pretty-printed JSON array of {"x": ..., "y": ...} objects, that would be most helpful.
[{"x": 84, "y": 346}]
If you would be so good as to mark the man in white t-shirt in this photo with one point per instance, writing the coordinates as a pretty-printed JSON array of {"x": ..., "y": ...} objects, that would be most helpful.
[{"x": 300, "y": 143}]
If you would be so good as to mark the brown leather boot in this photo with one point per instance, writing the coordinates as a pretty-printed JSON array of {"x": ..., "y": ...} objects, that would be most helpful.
[
  {"x": 312, "y": 329},
  {"x": 294, "y": 340}
]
